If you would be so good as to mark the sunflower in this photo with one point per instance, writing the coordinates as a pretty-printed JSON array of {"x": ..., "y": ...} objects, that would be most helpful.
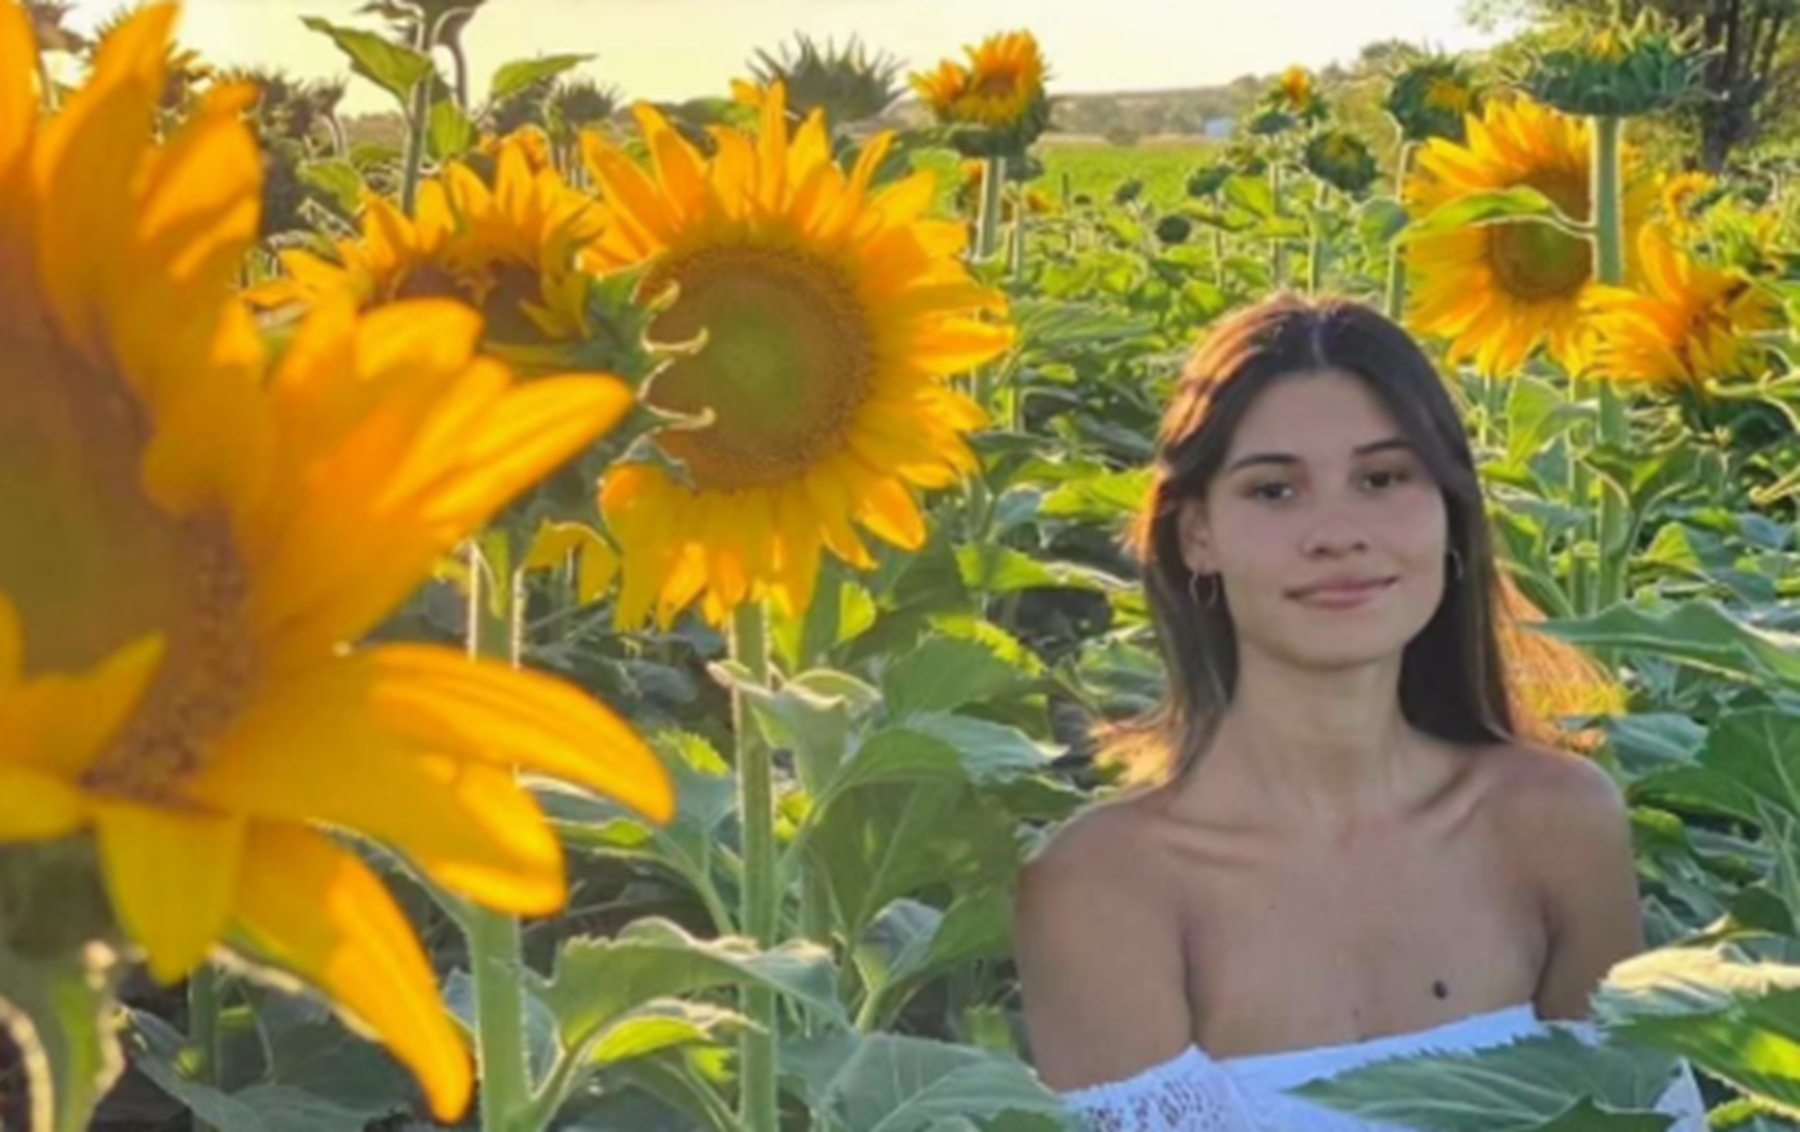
[
  {"x": 832, "y": 313},
  {"x": 1499, "y": 291},
  {"x": 1681, "y": 196},
  {"x": 513, "y": 250},
  {"x": 995, "y": 105},
  {"x": 1690, "y": 323},
  {"x": 1296, "y": 88},
  {"x": 192, "y": 543}
]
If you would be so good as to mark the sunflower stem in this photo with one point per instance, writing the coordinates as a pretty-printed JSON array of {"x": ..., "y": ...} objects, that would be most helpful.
[
  {"x": 417, "y": 115},
  {"x": 758, "y": 1109},
  {"x": 987, "y": 221},
  {"x": 203, "y": 1029},
  {"x": 1315, "y": 269},
  {"x": 1218, "y": 256},
  {"x": 1396, "y": 279},
  {"x": 1609, "y": 263},
  {"x": 496, "y": 950},
  {"x": 1277, "y": 253}
]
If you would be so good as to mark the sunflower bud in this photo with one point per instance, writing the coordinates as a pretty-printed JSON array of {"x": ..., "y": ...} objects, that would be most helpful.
[
  {"x": 1206, "y": 181},
  {"x": 1433, "y": 100},
  {"x": 1174, "y": 229},
  {"x": 1342, "y": 160},
  {"x": 1617, "y": 71}
]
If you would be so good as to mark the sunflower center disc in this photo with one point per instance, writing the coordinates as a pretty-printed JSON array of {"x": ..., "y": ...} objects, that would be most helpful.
[
  {"x": 1534, "y": 261},
  {"x": 787, "y": 360}
]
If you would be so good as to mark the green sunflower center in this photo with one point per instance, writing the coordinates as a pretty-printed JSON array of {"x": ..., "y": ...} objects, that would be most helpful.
[
  {"x": 788, "y": 358},
  {"x": 1534, "y": 262}
]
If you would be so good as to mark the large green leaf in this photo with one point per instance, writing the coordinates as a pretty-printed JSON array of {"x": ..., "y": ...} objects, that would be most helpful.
[
  {"x": 598, "y": 981},
  {"x": 905, "y": 815},
  {"x": 1519, "y": 204},
  {"x": 1695, "y": 633},
  {"x": 1509, "y": 1088},
  {"x": 706, "y": 800},
  {"x": 943, "y": 674},
  {"x": 987, "y": 568},
  {"x": 1737, "y": 1020},
  {"x": 395, "y": 69},
  {"x": 58, "y": 1011},
  {"x": 521, "y": 74},
  {"x": 449, "y": 134},
  {"x": 893, "y": 1083},
  {"x": 911, "y": 943}
]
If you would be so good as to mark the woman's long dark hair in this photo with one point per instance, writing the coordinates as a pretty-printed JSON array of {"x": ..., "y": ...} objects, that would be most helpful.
[{"x": 1457, "y": 675}]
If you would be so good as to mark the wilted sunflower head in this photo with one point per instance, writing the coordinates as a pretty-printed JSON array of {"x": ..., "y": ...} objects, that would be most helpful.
[
  {"x": 1342, "y": 160},
  {"x": 850, "y": 83},
  {"x": 1433, "y": 99},
  {"x": 1499, "y": 291}
]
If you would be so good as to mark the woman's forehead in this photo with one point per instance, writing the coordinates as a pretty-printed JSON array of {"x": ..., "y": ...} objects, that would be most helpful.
[{"x": 1323, "y": 413}]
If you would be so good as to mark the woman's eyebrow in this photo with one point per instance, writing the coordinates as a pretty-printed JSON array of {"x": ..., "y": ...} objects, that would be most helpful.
[{"x": 1284, "y": 458}]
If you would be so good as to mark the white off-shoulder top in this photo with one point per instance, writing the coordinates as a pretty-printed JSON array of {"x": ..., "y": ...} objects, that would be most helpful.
[{"x": 1192, "y": 1092}]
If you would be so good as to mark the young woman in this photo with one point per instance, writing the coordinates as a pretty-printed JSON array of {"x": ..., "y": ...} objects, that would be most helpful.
[{"x": 1346, "y": 846}]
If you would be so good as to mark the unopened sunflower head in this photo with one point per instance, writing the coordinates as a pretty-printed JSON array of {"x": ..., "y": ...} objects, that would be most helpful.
[
  {"x": 1433, "y": 99},
  {"x": 1342, "y": 160},
  {"x": 1498, "y": 292},
  {"x": 995, "y": 104},
  {"x": 194, "y": 543},
  {"x": 1688, "y": 324},
  {"x": 512, "y": 247},
  {"x": 1618, "y": 70},
  {"x": 828, "y": 315}
]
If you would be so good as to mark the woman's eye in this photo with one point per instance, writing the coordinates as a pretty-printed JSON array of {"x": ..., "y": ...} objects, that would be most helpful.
[
  {"x": 1270, "y": 491},
  {"x": 1388, "y": 477}
]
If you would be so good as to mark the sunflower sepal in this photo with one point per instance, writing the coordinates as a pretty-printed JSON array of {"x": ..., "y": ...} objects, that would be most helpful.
[{"x": 1617, "y": 71}]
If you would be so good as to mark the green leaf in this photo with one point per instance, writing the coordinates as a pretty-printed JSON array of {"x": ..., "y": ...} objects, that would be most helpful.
[
  {"x": 340, "y": 180},
  {"x": 1380, "y": 219},
  {"x": 892, "y": 1083},
  {"x": 663, "y": 1025},
  {"x": 943, "y": 674},
  {"x": 450, "y": 134},
  {"x": 390, "y": 66},
  {"x": 58, "y": 1012},
  {"x": 1740, "y": 1021},
  {"x": 1519, "y": 204},
  {"x": 994, "y": 569},
  {"x": 1695, "y": 633},
  {"x": 1585, "y": 1116},
  {"x": 911, "y": 943},
  {"x": 597, "y": 982},
  {"x": 904, "y": 815},
  {"x": 521, "y": 74},
  {"x": 1252, "y": 194},
  {"x": 1507, "y": 1088}
]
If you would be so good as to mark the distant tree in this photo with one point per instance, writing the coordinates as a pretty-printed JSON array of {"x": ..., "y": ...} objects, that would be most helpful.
[{"x": 1752, "y": 75}]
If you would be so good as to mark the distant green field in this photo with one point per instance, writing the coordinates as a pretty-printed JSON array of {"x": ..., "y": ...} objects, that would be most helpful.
[{"x": 1098, "y": 169}]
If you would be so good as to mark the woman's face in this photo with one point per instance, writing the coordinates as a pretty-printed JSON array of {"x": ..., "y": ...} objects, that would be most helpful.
[{"x": 1319, "y": 488}]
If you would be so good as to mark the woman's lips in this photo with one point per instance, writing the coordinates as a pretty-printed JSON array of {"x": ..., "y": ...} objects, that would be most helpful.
[{"x": 1344, "y": 597}]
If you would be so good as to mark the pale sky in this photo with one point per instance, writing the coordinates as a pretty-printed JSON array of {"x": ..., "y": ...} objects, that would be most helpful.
[{"x": 671, "y": 49}]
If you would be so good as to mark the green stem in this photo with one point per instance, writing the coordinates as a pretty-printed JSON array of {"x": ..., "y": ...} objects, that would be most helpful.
[
  {"x": 1018, "y": 241},
  {"x": 1218, "y": 251},
  {"x": 1315, "y": 267},
  {"x": 1396, "y": 280},
  {"x": 987, "y": 221},
  {"x": 203, "y": 1029},
  {"x": 758, "y": 1108},
  {"x": 1277, "y": 256},
  {"x": 419, "y": 114},
  {"x": 1609, "y": 265},
  {"x": 496, "y": 953}
]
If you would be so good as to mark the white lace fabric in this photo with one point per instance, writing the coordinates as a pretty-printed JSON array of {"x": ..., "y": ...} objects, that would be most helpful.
[{"x": 1192, "y": 1092}]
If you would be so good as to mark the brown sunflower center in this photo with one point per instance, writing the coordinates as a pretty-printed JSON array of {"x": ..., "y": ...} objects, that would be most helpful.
[
  {"x": 515, "y": 285},
  {"x": 788, "y": 358},
  {"x": 1534, "y": 261},
  {"x": 92, "y": 564},
  {"x": 203, "y": 685}
]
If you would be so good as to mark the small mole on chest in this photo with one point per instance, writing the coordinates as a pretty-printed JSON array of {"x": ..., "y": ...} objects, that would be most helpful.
[{"x": 1438, "y": 988}]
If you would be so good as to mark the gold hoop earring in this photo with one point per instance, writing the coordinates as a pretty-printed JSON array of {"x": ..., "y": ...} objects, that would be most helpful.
[{"x": 1457, "y": 563}]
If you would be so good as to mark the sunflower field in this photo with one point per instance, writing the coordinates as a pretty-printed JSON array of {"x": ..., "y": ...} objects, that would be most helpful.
[{"x": 574, "y": 617}]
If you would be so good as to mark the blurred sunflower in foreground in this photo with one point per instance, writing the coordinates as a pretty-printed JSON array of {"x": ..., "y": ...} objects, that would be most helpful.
[
  {"x": 1500, "y": 291},
  {"x": 832, "y": 313},
  {"x": 192, "y": 544}
]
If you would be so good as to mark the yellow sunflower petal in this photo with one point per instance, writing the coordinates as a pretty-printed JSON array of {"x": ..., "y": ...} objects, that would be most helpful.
[
  {"x": 321, "y": 914},
  {"x": 35, "y": 806},
  {"x": 172, "y": 877}
]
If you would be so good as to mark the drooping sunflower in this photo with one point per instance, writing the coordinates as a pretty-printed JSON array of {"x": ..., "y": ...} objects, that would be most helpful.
[
  {"x": 832, "y": 313},
  {"x": 1688, "y": 324},
  {"x": 1499, "y": 291},
  {"x": 513, "y": 250},
  {"x": 1681, "y": 196},
  {"x": 191, "y": 545}
]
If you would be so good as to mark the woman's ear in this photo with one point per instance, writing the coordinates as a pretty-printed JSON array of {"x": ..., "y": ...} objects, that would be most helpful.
[{"x": 1194, "y": 529}]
